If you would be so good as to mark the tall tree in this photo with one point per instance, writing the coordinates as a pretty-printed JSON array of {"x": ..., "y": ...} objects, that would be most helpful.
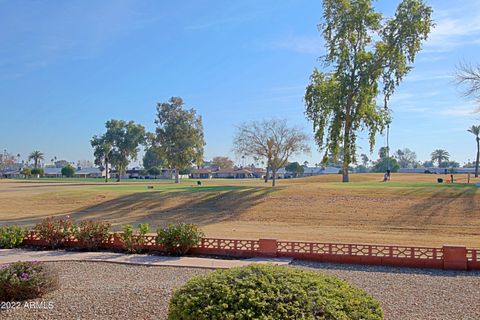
[
  {"x": 383, "y": 152},
  {"x": 365, "y": 159},
  {"x": 406, "y": 158},
  {"x": 102, "y": 151},
  {"x": 366, "y": 56},
  {"x": 222, "y": 162},
  {"x": 475, "y": 130},
  {"x": 36, "y": 156},
  {"x": 123, "y": 140},
  {"x": 271, "y": 140},
  {"x": 468, "y": 77},
  {"x": 179, "y": 135},
  {"x": 439, "y": 156}
]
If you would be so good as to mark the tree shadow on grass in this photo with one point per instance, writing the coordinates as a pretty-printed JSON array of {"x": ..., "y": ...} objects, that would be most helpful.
[
  {"x": 199, "y": 205},
  {"x": 442, "y": 203}
]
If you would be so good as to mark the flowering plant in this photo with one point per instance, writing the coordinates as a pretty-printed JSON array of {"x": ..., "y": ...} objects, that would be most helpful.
[
  {"x": 26, "y": 280},
  {"x": 92, "y": 233},
  {"x": 55, "y": 231}
]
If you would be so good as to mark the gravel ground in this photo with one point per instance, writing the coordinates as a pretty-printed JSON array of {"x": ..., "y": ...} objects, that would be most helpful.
[
  {"x": 97, "y": 290},
  {"x": 413, "y": 293}
]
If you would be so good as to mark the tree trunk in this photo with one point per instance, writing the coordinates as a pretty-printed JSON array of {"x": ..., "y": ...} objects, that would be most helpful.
[
  {"x": 266, "y": 175},
  {"x": 346, "y": 141},
  {"x": 478, "y": 157},
  {"x": 106, "y": 171},
  {"x": 346, "y": 148},
  {"x": 177, "y": 179},
  {"x": 274, "y": 176}
]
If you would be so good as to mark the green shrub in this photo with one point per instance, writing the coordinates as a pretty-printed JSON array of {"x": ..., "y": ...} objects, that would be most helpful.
[
  {"x": 271, "y": 292},
  {"x": 68, "y": 171},
  {"x": 55, "y": 231},
  {"x": 26, "y": 280},
  {"x": 178, "y": 239},
  {"x": 134, "y": 240},
  {"x": 37, "y": 172},
  {"x": 11, "y": 236},
  {"x": 92, "y": 233}
]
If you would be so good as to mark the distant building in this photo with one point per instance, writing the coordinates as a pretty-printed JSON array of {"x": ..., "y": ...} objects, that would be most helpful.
[
  {"x": 233, "y": 173},
  {"x": 282, "y": 173},
  {"x": 49, "y": 172},
  {"x": 201, "y": 174},
  {"x": 436, "y": 170},
  {"x": 90, "y": 173}
]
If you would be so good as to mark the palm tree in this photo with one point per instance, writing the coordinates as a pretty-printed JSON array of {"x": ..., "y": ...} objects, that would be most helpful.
[
  {"x": 476, "y": 131},
  {"x": 440, "y": 155},
  {"x": 36, "y": 156}
]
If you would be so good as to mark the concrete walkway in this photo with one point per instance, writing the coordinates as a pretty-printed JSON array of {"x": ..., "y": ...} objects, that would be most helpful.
[{"x": 13, "y": 255}]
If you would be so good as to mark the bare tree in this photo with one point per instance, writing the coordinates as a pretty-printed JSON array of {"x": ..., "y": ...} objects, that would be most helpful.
[
  {"x": 468, "y": 77},
  {"x": 222, "y": 162},
  {"x": 271, "y": 140}
]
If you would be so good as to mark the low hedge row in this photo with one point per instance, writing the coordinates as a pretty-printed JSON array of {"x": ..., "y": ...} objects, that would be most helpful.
[{"x": 177, "y": 239}]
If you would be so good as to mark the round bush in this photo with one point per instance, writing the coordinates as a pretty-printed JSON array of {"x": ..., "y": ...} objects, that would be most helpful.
[
  {"x": 271, "y": 292},
  {"x": 178, "y": 239},
  {"x": 26, "y": 280}
]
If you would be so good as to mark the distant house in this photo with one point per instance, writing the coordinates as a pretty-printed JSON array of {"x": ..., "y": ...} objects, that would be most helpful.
[
  {"x": 10, "y": 174},
  {"x": 257, "y": 172},
  {"x": 282, "y": 173},
  {"x": 89, "y": 173},
  {"x": 50, "y": 172},
  {"x": 436, "y": 170},
  {"x": 315, "y": 171},
  {"x": 201, "y": 174},
  {"x": 233, "y": 173}
]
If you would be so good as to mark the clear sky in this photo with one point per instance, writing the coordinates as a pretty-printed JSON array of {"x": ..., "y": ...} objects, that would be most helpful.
[{"x": 66, "y": 67}]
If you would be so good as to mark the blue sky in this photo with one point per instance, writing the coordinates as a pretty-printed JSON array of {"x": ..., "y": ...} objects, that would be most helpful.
[{"x": 66, "y": 67}]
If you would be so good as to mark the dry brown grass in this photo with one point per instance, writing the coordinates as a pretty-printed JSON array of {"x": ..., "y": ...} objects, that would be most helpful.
[{"x": 411, "y": 209}]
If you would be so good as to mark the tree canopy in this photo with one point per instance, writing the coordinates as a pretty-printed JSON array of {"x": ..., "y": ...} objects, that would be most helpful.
[
  {"x": 468, "y": 77},
  {"x": 152, "y": 158},
  {"x": 439, "y": 156},
  {"x": 36, "y": 156},
  {"x": 179, "y": 135},
  {"x": 406, "y": 158},
  {"x": 118, "y": 145},
  {"x": 222, "y": 162},
  {"x": 366, "y": 58},
  {"x": 295, "y": 168},
  {"x": 68, "y": 171},
  {"x": 271, "y": 140}
]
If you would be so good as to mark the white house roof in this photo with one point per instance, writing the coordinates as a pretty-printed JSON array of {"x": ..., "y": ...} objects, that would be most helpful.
[
  {"x": 52, "y": 171},
  {"x": 88, "y": 171}
]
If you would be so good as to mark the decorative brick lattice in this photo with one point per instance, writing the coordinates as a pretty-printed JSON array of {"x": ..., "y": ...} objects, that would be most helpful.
[
  {"x": 150, "y": 240},
  {"x": 473, "y": 255},
  {"x": 359, "y": 250},
  {"x": 229, "y": 244}
]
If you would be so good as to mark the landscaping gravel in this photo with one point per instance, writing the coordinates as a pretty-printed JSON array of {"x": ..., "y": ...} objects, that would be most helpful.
[
  {"x": 412, "y": 293},
  {"x": 99, "y": 290}
]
